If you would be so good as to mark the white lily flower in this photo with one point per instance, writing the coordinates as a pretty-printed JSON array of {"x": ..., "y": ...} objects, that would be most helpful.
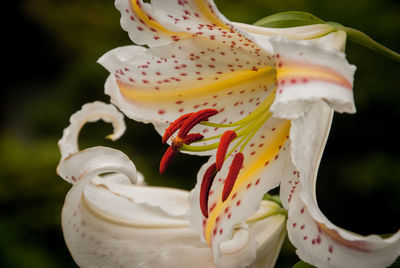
[
  {"x": 271, "y": 99},
  {"x": 110, "y": 219}
]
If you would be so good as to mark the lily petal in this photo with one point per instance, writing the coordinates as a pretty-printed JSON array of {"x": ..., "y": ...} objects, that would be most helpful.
[
  {"x": 142, "y": 26},
  {"x": 189, "y": 75},
  {"x": 264, "y": 161},
  {"x": 106, "y": 228},
  {"x": 308, "y": 72},
  {"x": 200, "y": 17},
  {"x": 318, "y": 241},
  {"x": 301, "y": 32},
  {"x": 109, "y": 222},
  {"x": 113, "y": 223},
  {"x": 90, "y": 112}
]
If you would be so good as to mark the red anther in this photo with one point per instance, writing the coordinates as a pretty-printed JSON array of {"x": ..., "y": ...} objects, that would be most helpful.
[
  {"x": 166, "y": 159},
  {"x": 224, "y": 142},
  {"x": 174, "y": 126},
  {"x": 233, "y": 173},
  {"x": 192, "y": 138},
  {"x": 194, "y": 119},
  {"x": 206, "y": 183}
]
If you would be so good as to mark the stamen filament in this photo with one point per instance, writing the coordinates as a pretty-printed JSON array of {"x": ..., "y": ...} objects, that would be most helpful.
[
  {"x": 191, "y": 148},
  {"x": 257, "y": 125},
  {"x": 265, "y": 105}
]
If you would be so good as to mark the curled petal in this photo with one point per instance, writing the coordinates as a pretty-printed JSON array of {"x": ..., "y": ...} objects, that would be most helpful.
[
  {"x": 108, "y": 222},
  {"x": 142, "y": 26},
  {"x": 242, "y": 247},
  {"x": 90, "y": 112},
  {"x": 321, "y": 243},
  {"x": 318, "y": 241},
  {"x": 308, "y": 72}
]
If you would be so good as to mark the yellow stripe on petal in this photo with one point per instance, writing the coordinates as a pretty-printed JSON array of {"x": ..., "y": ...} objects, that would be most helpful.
[
  {"x": 292, "y": 72},
  {"x": 151, "y": 23},
  {"x": 194, "y": 89},
  {"x": 248, "y": 174},
  {"x": 206, "y": 10}
]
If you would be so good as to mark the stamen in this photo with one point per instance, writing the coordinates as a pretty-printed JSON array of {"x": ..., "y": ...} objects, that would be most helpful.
[
  {"x": 174, "y": 126},
  {"x": 233, "y": 173},
  {"x": 206, "y": 183},
  {"x": 192, "y": 138},
  {"x": 224, "y": 142},
  {"x": 167, "y": 158},
  {"x": 195, "y": 119}
]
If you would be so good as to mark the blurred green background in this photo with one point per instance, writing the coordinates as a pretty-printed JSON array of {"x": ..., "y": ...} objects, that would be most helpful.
[{"x": 51, "y": 48}]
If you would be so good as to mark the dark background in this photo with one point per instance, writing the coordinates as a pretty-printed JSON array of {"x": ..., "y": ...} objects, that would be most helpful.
[{"x": 49, "y": 58}]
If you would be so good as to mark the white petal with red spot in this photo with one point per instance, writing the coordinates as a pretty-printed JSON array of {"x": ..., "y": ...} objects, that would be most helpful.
[
  {"x": 186, "y": 76},
  {"x": 308, "y": 72},
  {"x": 264, "y": 160},
  {"x": 142, "y": 26},
  {"x": 325, "y": 246},
  {"x": 90, "y": 112}
]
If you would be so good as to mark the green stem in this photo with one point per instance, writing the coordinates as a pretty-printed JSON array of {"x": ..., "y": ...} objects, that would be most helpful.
[{"x": 366, "y": 41}]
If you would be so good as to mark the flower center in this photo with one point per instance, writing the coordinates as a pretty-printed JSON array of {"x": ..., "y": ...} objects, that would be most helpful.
[{"x": 238, "y": 134}]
